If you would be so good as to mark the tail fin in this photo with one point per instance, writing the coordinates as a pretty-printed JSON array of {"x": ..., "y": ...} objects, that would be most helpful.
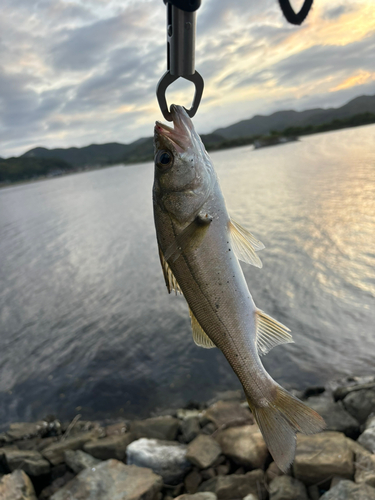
[{"x": 280, "y": 420}]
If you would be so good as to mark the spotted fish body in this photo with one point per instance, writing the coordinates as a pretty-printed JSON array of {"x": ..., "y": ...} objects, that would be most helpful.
[{"x": 199, "y": 246}]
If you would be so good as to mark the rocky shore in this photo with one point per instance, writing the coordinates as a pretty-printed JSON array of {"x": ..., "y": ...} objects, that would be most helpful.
[{"x": 202, "y": 452}]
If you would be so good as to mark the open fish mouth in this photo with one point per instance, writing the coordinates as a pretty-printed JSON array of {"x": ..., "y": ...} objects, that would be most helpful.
[{"x": 179, "y": 136}]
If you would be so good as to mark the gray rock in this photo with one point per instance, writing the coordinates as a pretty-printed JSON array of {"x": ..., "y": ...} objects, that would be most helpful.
[
  {"x": 360, "y": 404},
  {"x": 347, "y": 490},
  {"x": 321, "y": 456},
  {"x": 116, "y": 429},
  {"x": 287, "y": 488},
  {"x": 31, "y": 462},
  {"x": 16, "y": 486},
  {"x": 251, "y": 496},
  {"x": 79, "y": 460},
  {"x": 357, "y": 448},
  {"x": 203, "y": 451},
  {"x": 198, "y": 496},
  {"x": 236, "y": 485},
  {"x": 227, "y": 413},
  {"x": 365, "y": 469},
  {"x": 244, "y": 445},
  {"x": 165, "y": 428},
  {"x": 25, "y": 430},
  {"x": 184, "y": 413},
  {"x": 190, "y": 429},
  {"x": 273, "y": 471},
  {"x": 342, "y": 391},
  {"x": 112, "y": 480},
  {"x": 165, "y": 458},
  {"x": 335, "y": 416},
  {"x": 109, "y": 447},
  {"x": 236, "y": 395},
  {"x": 56, "y": 484},
  {"x": 55, "y": 452},
  {"x": 367, "y": 439},
  {"x": 192, "y": 481}
]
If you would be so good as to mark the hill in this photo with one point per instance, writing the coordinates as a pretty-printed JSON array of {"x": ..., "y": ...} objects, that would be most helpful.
[
  {"x": 21, "y": 169},
  {"x": 281, "y": 120}
]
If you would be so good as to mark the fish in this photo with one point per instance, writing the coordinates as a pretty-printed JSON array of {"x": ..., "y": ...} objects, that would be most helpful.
[{"x": 200, "y": 246}]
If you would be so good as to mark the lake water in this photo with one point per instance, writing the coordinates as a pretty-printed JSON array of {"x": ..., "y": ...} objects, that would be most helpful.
[{"x": 87, "y": 325}]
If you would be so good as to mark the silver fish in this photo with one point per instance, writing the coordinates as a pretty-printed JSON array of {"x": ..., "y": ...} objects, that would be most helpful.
[{"x": 199, "y": 247}]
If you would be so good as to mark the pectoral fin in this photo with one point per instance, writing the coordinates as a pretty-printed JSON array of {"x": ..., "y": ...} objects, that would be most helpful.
[
  {"x": 270, "y": 333},
  {"x": 199, "y": 336},
  {"x": 191, "y": 235},
  {"x": 245, "y": 244},
  {"x": 170, "y": 280}
]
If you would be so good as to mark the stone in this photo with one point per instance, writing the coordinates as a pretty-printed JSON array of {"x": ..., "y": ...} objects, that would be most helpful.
[
  {"x": 208, "y": 473},
  {"x": 164, "y": 428},
  {"x": 237, "y": 486},
  {"x": 79, "y": 460},
  {"x": 250, "y": 496},
  {"x": 236, "y": 395},
  {"x": 365, "y": 469},
  {"x": 109, "y": 447},
  {"x": 55, "y": 452},
  {"x": 190, "y": 429},
  {"x": 360, "y": 404},
  {"x": 31, "y": 462},
  {"x": 244, "y": 445},
  {"x": 165, "y": 458},
  {"x": 370, "y": 422},
  {"x": 273, "y": 471},
  {"x": 208, "y": 429},
  {"x": 357, "y": 448},
  {"x": 287, "y": 488},
  {"x": 192, "y": 481},
  {"x": 321, "y": 456},
  {"x": 367, "y": 439},
  {"x": 335, "y": 416},
  {"x": 203, "y": 451},
  {"x": 116, "y": 429},
  {"x": 227, "y": 413},
  {"x": 56, "y": 484},
  {"x": 347, "y": 490},
  {"x": 16, "y": 486},
  {"x": 184, "y": 414},
  {"x": 342, "y": 391},
  {"x": 223, "y": 469},
  {"x": 25, "y": 430},
  {"x": 112, "y": 480},
  {"x": 198, "y": 496}
]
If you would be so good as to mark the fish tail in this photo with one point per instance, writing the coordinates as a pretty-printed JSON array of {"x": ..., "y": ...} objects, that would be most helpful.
[{"x": 280, "y": 419}]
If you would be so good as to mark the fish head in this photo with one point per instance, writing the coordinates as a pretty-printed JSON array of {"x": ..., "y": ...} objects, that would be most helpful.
[{"x": 184, "y": 175}]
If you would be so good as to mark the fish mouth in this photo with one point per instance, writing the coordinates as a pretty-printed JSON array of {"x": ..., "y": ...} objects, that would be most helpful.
[{"x": 178, "y": 137}]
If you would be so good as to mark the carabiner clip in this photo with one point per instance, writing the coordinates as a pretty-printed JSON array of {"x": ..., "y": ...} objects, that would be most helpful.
[{"x": 180, "y": 57}]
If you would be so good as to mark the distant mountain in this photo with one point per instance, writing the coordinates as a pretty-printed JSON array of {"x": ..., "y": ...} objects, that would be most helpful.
[{"x": 280, "y": 120}]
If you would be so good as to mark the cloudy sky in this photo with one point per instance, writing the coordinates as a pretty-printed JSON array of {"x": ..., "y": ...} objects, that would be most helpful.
[{"x": 84, "y": 71}]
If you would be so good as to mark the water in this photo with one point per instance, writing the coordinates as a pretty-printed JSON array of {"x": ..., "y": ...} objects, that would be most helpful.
[{"x": 86, "y": 323}]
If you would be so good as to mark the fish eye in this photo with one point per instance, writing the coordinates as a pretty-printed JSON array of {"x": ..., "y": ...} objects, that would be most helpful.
[{"x": 164, "y": 160}]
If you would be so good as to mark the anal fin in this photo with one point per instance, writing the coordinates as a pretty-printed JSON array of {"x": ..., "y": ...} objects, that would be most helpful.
[
  {"x": 270, "y": 333},
  {"x": 199, "y": 335}
]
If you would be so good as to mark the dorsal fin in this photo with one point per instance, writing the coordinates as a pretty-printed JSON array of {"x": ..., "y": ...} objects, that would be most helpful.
[
  {"x": 270, "y": 333},
  {"x": 199, "y": 335},
  {"x": 170, "y": 280},
  {"x": 245, "y": 244}
]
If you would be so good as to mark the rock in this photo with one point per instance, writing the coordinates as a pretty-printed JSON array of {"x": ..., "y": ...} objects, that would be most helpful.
[
  {"x": 55, "y": 452},
  {"x": 31, "y": 462},
  {"x": 184, "y": 414},
  {"x": 335, "y": 416},
  {"x": 287, "y": 488},
  {"x": 165, "y": 458},
  {"x": 370, "y": 422},
  {"x": 165, "y": 428},
  {"x": 347, "y": 490},
  {"x": 342, "y": 391},
  {"x": 208, "y": 429},
  {"x": 109, "y": 447},
  {"x": 16, "y": 486},
  {"x": 198, "y": 496},
  {"x": 244, "y": 445},
  {"x": 208, "y": 473},
  {"x": 190, "y": 429},
  {"x": 236, "y": 486},
  {"x": 192, "y": 481},
  {"x": 223, "y": 469},
  {"x": 236, "y": 395},
  {"x": 367, "y": 439},
  {"x": 226, "y": 413},
  {"x": 56, "y": 484},
  {"x": 203, "y": 451},
  {"x": 360, "y": 404},
  {"x": 273, "y": 471},
  {"x": 250, "y": 496},
  {"x": 25, "y": 430},
  {"x": 116, "y": 429},
  {"x": 357, "y": 448},
  {"x": 321, "y": 456},
  {"x": 365, "y": 469},
  {"x": 79, "y": 460},
  {"x": 112, "y": 480}
]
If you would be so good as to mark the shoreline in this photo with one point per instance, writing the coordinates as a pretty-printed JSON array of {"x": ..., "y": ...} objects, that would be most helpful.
[{"x": 212, "y": 450}]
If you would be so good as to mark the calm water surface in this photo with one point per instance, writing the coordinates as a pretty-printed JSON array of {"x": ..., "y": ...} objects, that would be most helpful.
[{"x": 86, "y": 323}]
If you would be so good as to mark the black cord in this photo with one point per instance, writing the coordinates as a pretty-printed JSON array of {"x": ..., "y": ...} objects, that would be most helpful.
[{"x": 291, "y": 16}]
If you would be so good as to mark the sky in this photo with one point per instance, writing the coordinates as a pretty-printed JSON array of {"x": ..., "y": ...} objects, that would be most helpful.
[{"x": 78, "y": 72}]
